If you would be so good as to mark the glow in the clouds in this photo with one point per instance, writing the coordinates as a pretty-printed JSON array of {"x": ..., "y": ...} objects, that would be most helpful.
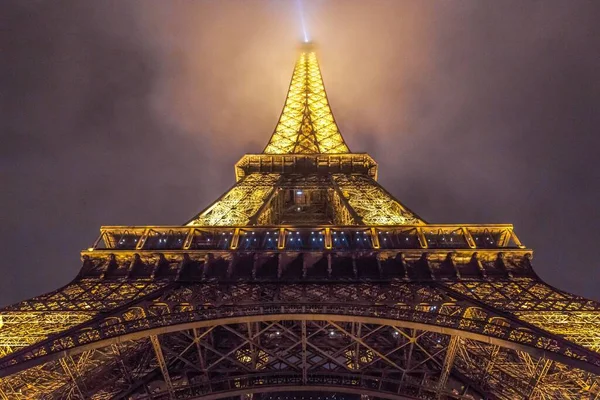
[{"x": 304, "y": 31}]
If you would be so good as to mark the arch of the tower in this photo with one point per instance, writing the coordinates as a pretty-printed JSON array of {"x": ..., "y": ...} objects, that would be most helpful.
[
  {"x": 313, "y": 392},
  {"x": 364, "y": 352}
]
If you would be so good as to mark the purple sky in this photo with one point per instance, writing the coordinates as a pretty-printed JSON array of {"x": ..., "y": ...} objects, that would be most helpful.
[{"x": 134, "y": 112}]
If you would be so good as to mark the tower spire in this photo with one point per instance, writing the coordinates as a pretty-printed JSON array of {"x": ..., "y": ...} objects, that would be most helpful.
[{"x": 306, "y": 124}]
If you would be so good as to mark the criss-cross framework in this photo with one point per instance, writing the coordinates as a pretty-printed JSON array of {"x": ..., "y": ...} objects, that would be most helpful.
[
  {"x": 306, "y": 124},
  {"x": 306, "y": 278}
]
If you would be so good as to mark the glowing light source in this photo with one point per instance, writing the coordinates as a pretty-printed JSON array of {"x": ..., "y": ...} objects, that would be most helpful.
[{"x": 302, "y": 21}]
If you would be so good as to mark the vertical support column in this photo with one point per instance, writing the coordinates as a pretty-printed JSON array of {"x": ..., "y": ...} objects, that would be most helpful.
[
  {"x": 281, "y": 239},
  {"x": 162, "y": 364},
  {"x": 304, "y": 365},
  {"x": 252, "y": 348},
  {"x": 143, "y": 238},
  {"x": 357, "y": 347},
  {"x": 448, "y": 364},
  {"x": 188, "y": 239},
  {"x": 375, "y": 238},
  {"x": 422, "y": 239},
  {"x": 235, "y": 239},
  {"x": 117, "y": 353},
  {"x": 328, "y": 238},
  {"x": 412, "y": 339},
  {"x": 199, "y": 350},
  {"x": 468, "y": 237},
  {"x": 540, "y": 372}
]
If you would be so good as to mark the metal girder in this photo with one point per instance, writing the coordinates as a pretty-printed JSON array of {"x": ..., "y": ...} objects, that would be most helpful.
[
  {"x": 306, "y": 124},
  {"x": 3, "y": 395},
  {"x": 197, "y": 338},
  {"x": 160, "y": 358},
  {"x": 250, "y": 301},
  {"x": 65, "y": 361},
  {"x": 240, "y": 203},
  {"x": 539, "y": 372},
  {"x": 372, "y": 203},
  {"x": 448, "y": 363},
  {"x": 304, "y": 364},
  {"x": 334, "y": 342}
]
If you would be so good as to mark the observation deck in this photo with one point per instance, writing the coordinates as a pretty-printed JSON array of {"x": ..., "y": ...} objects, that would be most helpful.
[{"x": 292, "y": 253}]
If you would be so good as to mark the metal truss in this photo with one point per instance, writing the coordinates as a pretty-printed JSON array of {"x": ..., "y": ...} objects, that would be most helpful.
[
  {"x": 259, "y": 199},
  {"x": 33, "y": 320},
  {"x": 21, "y": 329},
  {"x": 581, "y": 327},
  {"x": 240, "y": 203},
  {"x": 372, "y": 203},
  {"x": 328, "y": 353},
  {"x": 306, "y": 124},
  {"x": 306, "y": 164},
  {"x": 411, "y": 310}
]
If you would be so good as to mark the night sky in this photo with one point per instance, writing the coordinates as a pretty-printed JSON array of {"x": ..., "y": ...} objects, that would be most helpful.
[{"x": 134, "y": 112}]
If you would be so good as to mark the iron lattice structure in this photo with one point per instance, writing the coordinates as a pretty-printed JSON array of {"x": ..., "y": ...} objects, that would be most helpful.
[{"x": 305, "y": 277}]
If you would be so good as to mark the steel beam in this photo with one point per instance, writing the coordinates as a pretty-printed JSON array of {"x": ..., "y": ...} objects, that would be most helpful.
[{"x": 164, "y": 369}]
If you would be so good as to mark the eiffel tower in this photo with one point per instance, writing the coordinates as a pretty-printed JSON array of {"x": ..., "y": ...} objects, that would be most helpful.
[{"x": 305, "y": 280}]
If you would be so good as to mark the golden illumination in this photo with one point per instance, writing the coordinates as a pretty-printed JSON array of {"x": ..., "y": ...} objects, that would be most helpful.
[
  {"x": 581, "y": 327},
  {"x": 21, "y": 329},
  {"x": 372, "y": 203},
  {"x": 237, "y": 206},
  {"x": 365, "y": 356},
  {"x": 306, "y": 124},
  {"x": 252, "y": 358}
]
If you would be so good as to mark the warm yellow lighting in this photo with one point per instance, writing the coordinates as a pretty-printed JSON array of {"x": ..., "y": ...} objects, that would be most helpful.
[
  {"x": 238, "y": 205},
  {"x": 306, "y": 124},
  {"x": 372, "y": 203},
  {"x": 21, "y": 329},
  {"x": 365, "y": 356},
  {"x": 581, "y": 327},
  {"x": 247, "y": 357}
]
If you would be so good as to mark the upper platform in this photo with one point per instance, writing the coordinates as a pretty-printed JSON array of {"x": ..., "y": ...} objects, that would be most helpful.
[{"x": 343, "y": 163}]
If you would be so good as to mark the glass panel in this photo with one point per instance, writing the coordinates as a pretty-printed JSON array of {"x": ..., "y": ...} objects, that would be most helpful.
[
  {"x": 398, "y": 239},
  {"x": 211, "y": 240},
  {"x": 258, "y": 239},
  {"x": 351, "y": 239},
  {"x": 487, "y": 238},
  {"x": 444, "y": 238},
  {"x": 125, "y": 240},
  {"x": 168, "y": 240},
  {"x": 304, "y": 239}
]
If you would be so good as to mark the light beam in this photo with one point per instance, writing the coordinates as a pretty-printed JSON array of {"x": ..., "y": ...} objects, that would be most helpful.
[{"x": 304, "y": 31}]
